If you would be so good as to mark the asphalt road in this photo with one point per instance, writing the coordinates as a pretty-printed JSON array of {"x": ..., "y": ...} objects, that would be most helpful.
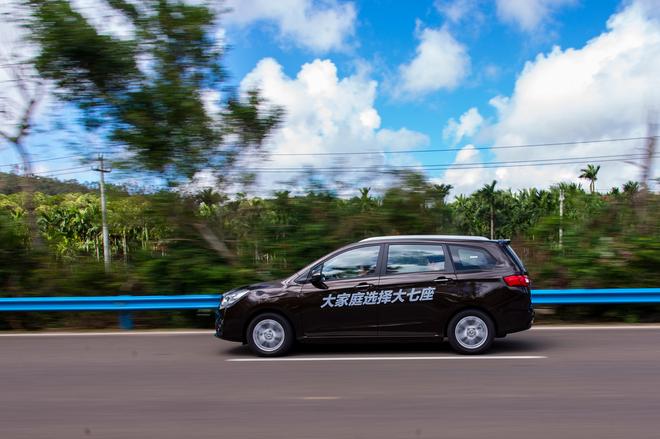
[{"x": 548, "y": 383}]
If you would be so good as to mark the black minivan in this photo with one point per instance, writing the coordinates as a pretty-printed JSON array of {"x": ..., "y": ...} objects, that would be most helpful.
[{"x": 409, "y": 288}]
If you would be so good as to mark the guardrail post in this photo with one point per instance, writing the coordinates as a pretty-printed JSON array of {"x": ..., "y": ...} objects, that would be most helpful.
[{"x": 125, "y": 320}]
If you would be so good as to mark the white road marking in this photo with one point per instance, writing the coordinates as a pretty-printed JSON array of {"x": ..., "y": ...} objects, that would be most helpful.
[
  {"x": 208, "y": 332},
  {"x": 590, "y": 327},
  {"x": 108, "y": 333},
  {"x": 394, "y": 358}
]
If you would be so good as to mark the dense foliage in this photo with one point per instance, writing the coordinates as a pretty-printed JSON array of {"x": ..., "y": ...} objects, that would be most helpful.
[{"x": 610, "y": 240}]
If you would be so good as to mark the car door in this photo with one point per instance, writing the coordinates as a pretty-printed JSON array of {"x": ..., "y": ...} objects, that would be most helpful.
[
  {"x": 343, "y": 304},
  {"x": 422, "y": 285}
]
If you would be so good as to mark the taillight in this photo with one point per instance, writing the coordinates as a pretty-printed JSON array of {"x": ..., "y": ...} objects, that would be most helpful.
[{"x": 517, "y": 280}]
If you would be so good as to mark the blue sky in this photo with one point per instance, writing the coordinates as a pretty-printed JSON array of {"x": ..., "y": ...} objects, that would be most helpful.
[{"x": 385, "y": 75}]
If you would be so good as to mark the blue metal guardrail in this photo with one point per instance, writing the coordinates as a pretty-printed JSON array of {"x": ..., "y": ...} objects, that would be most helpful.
[{"x": 125, "y": 304}]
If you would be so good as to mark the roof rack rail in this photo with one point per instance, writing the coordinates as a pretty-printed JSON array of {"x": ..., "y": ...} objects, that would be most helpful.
[{"x": 429, "y": 237}]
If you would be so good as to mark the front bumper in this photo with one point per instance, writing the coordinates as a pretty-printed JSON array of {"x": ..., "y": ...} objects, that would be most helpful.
[
  {"x": 229, "y": 324},
  {"x": 218, "y": 323}
]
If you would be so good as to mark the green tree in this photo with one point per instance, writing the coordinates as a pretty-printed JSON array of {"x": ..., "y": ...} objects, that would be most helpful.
[
  {"x": 366, "y": 201},
  {"x": 590, "y": 173},
  {"x": 631, "y": 188},
  {"x": 489, "y": 194},
  {"x": 156, "y": 112},
  {"x": 439, "y": 192},
  {"x": 147, "y": 96}
]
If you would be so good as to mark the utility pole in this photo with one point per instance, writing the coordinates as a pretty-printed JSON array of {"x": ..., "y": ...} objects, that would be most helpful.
[
  {"x": 561, "y": 217},
  {"x": 106, "y": 236},
  {"x": 649, "y": 152}
]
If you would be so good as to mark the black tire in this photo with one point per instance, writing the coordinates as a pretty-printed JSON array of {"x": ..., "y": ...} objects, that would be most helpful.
[
  {"x": 477, "y": 321},
  {"x": 265, "y": 345}
]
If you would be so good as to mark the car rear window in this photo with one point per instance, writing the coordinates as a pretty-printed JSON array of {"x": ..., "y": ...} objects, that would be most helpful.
[
  {"x": 469, "y": 258},
  {"x": 515, "y": 258}
]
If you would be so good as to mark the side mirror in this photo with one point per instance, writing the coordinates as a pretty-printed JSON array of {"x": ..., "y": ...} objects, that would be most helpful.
[{"x": 317, "y": 280}]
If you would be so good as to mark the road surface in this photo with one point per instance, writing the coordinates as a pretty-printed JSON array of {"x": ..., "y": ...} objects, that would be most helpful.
[{"x": 544, "y": 383}]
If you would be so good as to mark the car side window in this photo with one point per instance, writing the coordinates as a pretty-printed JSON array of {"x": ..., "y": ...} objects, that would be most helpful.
[
  {"x": 355, "y": 263},
  {"x": 471, "y": 258},
  {"x": 415, "y": 258}
]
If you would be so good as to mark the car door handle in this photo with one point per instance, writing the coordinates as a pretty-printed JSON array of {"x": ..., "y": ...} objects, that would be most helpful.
[
  {"x": 363, "y": 286},
  {"x": 442, "y": 279}
]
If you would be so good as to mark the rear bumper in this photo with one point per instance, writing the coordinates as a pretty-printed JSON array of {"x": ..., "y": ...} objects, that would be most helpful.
[{"x": 517, "y": 321}]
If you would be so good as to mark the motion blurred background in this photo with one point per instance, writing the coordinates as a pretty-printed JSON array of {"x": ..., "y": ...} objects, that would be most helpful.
[{"x": 213, "y": 183}]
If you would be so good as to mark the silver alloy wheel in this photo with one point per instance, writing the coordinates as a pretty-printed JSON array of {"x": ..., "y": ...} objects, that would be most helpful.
[
  {"x": 268, "y": 335},
  {"x": 471, "y": 332}
]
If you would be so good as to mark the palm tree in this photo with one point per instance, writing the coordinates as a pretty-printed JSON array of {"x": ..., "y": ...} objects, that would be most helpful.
[
  {"x": 365, "y": 199},
  {"x": 439, "y": 192},
  {"x": 210, "y": 197},
  {"x": 631, "y": 188},
  {"x": 489, "y": 192},
  {"x": 590, "y": 173}
]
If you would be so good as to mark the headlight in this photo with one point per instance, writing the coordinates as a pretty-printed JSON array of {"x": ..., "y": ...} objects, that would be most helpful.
[{"x": 229, "y": 299}]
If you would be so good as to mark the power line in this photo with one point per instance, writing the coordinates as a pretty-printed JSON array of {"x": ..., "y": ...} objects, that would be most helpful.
[
  {"x": 377, "y": 170},
  {"x": 40, "y": 160},
  {"x": 384, "y": 169},
  {"x": 531, "y": 145},
  {"x": 17, "y": 63},
  {"x": 411, "y": 151},
  {"x": 55, "y": 158},
  {"x": 449, "y": 165},
  {"x": 554, "y": 162},
  {"x": 59, "y": 174},
  {"x": 54, "y": 172}
]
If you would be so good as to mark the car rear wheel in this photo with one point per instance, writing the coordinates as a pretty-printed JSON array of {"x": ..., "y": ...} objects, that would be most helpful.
[
  {"x": 270, "y": 335},
  {"x": 471, "y": 332}
]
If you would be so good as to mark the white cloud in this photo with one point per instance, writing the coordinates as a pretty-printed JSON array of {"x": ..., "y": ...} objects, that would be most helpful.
[
  {"x": 492, "y": 71},
  {"x": 401, "y": 139},
  {"x": 325, "y": 113},
  {"x": 211, "y": 99},
  {"x": 467, "y": 126},
  {"x": 456, "y": 10},
  {"x": 466, "y": 179},
  {"x": 440, "y": 62},
  {"x": 603, "y": 90},
  {"x": 529, "y": 15},
  {"x": 320, "y": 26},
  {"x": 105, "y": 19}
]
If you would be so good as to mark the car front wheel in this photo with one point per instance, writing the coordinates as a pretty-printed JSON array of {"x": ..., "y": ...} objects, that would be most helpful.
[
  {"x": 471, "y": 332},
  {"x": 270, "y": 335}
]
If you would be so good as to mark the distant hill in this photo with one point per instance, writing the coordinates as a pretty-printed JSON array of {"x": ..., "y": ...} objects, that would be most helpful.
[{"x": 12, "y": 183}]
